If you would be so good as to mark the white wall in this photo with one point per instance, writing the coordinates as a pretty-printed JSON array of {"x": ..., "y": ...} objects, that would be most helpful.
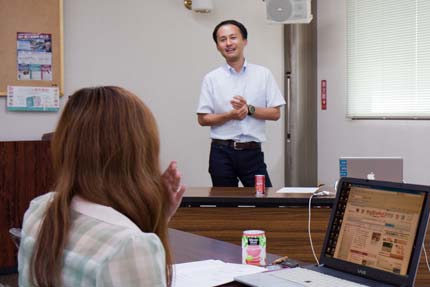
[
  {"x": 338, "y": 136},
  {"x": 161, "y": 51}
]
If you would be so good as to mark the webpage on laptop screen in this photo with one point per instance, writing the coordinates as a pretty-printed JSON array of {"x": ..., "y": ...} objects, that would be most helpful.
[{"x": 378, "y": 228}]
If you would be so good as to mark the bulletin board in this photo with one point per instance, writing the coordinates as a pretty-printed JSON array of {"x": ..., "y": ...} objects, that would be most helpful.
[{"x": 30, "y": 17}]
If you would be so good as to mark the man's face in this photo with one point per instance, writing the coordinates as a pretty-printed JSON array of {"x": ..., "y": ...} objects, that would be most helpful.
[{"x": 230, "y": 42}]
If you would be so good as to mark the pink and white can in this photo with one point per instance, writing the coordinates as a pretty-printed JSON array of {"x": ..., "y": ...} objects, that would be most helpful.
[
  {"x": 260, "y": 183},
  {"x": 254, "y": 247}
]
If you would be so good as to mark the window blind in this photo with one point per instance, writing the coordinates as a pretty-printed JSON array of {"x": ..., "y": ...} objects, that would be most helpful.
[{"x": 388, "y": 58}]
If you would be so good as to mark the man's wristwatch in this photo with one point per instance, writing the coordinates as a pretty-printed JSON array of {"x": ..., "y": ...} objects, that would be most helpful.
[{"x": 251, "y": 110}]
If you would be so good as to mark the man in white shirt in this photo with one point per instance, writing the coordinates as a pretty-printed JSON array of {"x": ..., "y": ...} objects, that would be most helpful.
[{"x": 235, "y": 101}]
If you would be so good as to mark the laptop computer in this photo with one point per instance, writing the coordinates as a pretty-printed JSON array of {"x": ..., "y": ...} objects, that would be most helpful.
[
  {"x": 379, "y": 168},
  {"x": 374, "y": 236}
]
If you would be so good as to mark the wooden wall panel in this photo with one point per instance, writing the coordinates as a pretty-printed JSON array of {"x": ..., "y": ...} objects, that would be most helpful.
[{"x": 25, "y": 172}]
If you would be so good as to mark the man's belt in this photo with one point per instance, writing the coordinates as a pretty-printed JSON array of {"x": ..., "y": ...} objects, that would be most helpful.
[{"x": 237, "y": 145}]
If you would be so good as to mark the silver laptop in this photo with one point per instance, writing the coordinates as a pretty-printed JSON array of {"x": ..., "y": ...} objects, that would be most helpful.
[
  {"x": 379, "y": 168},
  {"x": 374, "y": 238}
]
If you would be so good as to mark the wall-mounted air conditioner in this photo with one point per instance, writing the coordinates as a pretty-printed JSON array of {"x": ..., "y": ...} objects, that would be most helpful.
[{"x": 288, "y": 11}]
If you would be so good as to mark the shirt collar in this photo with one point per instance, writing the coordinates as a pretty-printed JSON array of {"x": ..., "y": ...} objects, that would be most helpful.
[
  {"x": 232, "y": 71},
  {"x": 102, "y": 213}
]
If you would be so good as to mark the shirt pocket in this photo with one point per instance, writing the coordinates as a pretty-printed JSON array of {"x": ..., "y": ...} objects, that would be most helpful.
[{"x": 256, "y": 94}]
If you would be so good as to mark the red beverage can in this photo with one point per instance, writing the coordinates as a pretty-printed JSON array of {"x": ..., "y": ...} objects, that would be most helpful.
[{"x": 260, "y": 183}]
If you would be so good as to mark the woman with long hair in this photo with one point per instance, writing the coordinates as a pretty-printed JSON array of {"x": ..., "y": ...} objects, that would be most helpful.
[{"x": 106, "y": 223}]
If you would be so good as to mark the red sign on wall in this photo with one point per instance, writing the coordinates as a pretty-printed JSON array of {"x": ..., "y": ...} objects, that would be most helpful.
[{"x": 323, "y": 94}]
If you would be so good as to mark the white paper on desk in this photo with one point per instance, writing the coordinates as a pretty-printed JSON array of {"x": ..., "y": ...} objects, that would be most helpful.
[
  {"x": 209, "y": 273},
  {"x": 297, "y": 190}
]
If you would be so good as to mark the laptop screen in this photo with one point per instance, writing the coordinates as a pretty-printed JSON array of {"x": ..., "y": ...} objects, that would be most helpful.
[{"x": 375, "y": 225}]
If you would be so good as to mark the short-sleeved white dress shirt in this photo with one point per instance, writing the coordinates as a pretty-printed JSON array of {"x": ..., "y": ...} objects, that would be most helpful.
[{"x": 255, "y": 83}]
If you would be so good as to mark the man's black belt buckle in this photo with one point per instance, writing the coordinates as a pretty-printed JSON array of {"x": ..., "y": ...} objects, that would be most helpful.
[{"x": 236, "y": 147}]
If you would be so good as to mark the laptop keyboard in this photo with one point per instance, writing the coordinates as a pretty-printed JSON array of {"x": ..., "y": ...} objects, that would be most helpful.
[{"x": 311, "y": 278}]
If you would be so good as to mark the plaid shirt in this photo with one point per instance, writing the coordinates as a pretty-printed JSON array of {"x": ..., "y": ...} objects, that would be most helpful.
[{"x": 104, "y": 248}]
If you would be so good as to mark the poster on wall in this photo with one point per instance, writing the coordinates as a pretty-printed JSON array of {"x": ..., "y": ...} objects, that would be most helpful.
[
  {"x": 43, "y": 99},
  {"x": 34, "y": 56}
]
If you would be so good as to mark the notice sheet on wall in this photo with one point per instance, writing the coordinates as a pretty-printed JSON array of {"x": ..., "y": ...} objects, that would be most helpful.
[
  {"x": 45, "y": 99},
  {"x": 34, "y": 56}
]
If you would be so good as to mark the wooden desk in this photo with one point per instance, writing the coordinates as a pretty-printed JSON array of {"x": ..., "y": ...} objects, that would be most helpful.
[
  {"x": 215, "y": 213},
  {"x": 188, "y": 247},
  {"x": 283, "y": 217},
  {"x": 234, "y": 197}
]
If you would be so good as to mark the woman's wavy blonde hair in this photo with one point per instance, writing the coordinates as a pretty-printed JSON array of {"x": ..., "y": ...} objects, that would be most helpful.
[{"x": 106, "y": 150}]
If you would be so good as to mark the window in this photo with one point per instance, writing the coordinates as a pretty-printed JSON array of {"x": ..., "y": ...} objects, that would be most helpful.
[{"x": 388, "y": 58}]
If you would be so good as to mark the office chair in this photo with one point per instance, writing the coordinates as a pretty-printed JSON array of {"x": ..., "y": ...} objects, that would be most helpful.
[
  {"x": 15, "y": 233},
  {"x": 47, "y": 136}
]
